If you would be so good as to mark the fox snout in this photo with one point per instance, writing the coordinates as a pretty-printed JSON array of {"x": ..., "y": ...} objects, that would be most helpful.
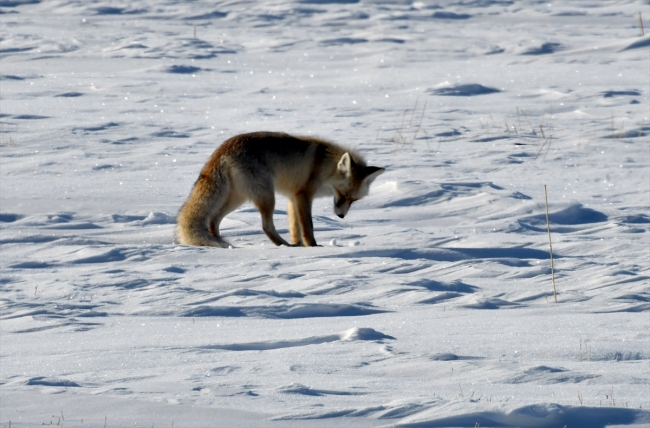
[
  {"x": 340, "y": 213},
  {"x": 341, "y": 205}
]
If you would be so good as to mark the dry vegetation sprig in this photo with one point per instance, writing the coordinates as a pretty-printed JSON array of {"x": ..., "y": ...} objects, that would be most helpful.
[
  {"x": 610, "y": 397},
  {"x": 547, "y": 144},
  {"x": 415, "y": 134},
  {"x": 641, "y": 25},
  {"x": 550, "y": 245},
  {"x": 495, "y": 125},
  {"x": 547, "y": 140},
  {"x": 622, "y": 133},
  {"x": 532, "y": 130},
  {"x": 403, "y": 133},
  {"x": 6, "y": 139},
  {"x": 519, "y": 126},
  {"x": 587, "y": 355}
]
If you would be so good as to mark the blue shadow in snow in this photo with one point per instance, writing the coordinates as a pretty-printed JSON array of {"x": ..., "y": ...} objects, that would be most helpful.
[
  {"x": 464, "y": 90},
  {"x": 183, "y": 69},
  {"x": 450, "y": 15},
  {"x": 546, "y": 49},
  {"x": 573, "y": 215},
  {"x": 45, "y": 381},
  {"x": 450, "y": 254}
]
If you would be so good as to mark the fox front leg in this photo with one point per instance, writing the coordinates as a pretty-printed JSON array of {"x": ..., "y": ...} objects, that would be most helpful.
[
  {"x": 294, "y": 223},
  {"x": 302, "y": 204}
]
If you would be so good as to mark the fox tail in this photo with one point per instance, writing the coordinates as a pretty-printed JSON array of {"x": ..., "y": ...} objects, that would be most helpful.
[{"x": 195, "y": 222}]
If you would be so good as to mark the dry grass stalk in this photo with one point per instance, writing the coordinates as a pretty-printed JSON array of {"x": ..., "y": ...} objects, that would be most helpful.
[
  {"x": 532, "y": 130},
  {"x": 550, "y": 245},
  {"x": 402, "y": 136},
  {"x": 415, "y": 135},
  {"x": 641, "y": 25}
]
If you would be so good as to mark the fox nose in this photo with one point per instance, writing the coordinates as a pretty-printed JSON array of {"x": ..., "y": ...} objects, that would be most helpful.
[{"x": 341, "y": 215}]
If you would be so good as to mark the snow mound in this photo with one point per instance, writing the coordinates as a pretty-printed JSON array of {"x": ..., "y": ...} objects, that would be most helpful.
[
  {"x": 541, "y": 416},
  {"x": 363, "y": 334},
  {"x": 351, "y": 335},
  {"x": 158, "y": 218}
]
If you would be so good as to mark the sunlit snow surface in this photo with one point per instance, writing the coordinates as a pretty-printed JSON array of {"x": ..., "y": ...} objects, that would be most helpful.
[{"x": 430, "y": 305}]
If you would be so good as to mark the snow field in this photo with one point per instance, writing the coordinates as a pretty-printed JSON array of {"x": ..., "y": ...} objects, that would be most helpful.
[{"x": 430, "y": 305}]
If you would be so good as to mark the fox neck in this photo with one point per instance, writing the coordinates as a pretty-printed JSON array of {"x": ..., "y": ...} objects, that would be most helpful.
[{"x": 325, "y": 190}]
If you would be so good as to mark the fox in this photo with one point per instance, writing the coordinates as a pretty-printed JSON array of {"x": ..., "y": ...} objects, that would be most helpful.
[{"x": 254, "y": 166}]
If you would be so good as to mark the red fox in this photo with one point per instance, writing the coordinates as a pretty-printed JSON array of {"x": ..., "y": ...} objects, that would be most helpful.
[{"x": 251, "y": 167}]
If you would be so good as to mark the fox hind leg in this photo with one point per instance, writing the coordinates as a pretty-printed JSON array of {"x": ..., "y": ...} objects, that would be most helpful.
[{"x": 232, "y": 203}]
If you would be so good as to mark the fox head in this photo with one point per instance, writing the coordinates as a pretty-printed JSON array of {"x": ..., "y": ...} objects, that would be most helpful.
[{"x": 353, "y": 183}]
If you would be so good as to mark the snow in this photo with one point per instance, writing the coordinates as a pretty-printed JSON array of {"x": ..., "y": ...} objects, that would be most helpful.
[{"x": 430, "y": 305}]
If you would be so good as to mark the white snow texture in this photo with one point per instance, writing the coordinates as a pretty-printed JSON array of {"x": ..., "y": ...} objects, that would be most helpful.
[{"x": 430, "y": 305}]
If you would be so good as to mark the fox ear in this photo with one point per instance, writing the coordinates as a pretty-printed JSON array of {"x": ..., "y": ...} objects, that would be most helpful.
[
  {"x": 345, "y": 165},
  {"x": 372, "y": 173}
]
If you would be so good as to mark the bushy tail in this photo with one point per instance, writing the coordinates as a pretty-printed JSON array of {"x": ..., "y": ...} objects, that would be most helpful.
[
  {"x": 207, "y": 198},
  {"x": 199, "y": 237}
]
